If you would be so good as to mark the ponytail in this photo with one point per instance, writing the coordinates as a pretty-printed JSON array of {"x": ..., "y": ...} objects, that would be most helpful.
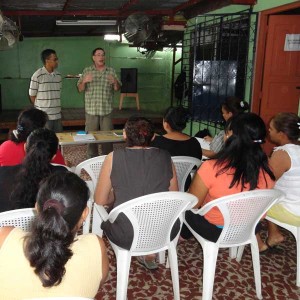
[
  {"x": 47, "y": 248},
  {"x": 40, "y": 148},
  {"x": 60, "y": 203}
]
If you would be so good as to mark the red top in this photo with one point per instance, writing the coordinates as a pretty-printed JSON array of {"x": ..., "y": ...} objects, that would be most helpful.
[{"x": 12, "y": 154}]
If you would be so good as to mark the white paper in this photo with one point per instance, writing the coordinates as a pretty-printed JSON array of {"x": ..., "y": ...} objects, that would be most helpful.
[
  {"x": 204, "y": 144},
  {"x": 292, "y": 42},
  {"x": 118, "y": 134},
  {"x": 84, "y": 137}
]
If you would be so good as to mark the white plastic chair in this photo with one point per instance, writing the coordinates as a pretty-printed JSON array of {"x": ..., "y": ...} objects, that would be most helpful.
[
  {"x": 93, "y": 167},
  {"x": 296, "y": 232},
  {"x": 241, "y": 213},
  {"x": 21, "y": 218},
  {"x": 184, "y": 166},
  {"x": 152, "y": 217},
  {"x": 87, "y": 222}
]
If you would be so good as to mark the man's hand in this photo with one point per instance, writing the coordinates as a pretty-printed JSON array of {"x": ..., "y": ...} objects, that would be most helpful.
[
  {"x": 111, "y": 79},
  {"x": 87, "y": 78}
]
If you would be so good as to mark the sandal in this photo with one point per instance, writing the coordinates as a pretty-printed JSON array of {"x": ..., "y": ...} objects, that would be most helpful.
[
  {"x": 148, "y": 264},
  {"x": 265, "y": 251},
  {"x": 274, "y": 248}
]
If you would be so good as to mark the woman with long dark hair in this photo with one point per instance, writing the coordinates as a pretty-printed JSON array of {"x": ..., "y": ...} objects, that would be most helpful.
[
  {"x": 240, "y": 166},
  {"x": 12, "y": 151},
  {"x": 19, "y": 184},
  {"x": 51, "y": 260}
]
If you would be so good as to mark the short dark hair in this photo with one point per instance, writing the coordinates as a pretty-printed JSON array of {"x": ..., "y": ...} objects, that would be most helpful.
[
  {"x": 94, "y": 51},
  {"x": 46, "y": 53},
  {"x": 289, "y": 124},
  {"x": 176, "y": 117},
  {"x": 28, "y": 120},
  {"x": 139, "y": 131},
  {"x": 235, "y": 105},
  {"x": 42, "y": 140}
]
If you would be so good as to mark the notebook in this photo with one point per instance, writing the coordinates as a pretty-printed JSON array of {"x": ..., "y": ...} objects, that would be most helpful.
[{"x": 84, "y": 137}]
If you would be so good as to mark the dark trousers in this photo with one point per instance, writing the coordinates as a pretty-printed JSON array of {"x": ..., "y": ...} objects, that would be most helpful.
[
  {"x": 207, "y": 230},
  {"x": 199, "y": 224}
]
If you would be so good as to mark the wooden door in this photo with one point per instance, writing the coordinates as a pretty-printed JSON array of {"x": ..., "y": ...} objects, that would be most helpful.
[{"x": 281, "y": 79}]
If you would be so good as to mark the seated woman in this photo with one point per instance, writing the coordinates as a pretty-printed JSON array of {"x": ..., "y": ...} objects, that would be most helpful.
[
  {"x": 131, "y": 172},
  {"x": 19, "y": 184},
  {"x": 12, "y": 151},
  {"x": 240, "y": 166},
  {"x": 51, "y": 260},
  {"x": 231, "y": 107},
  {"x": 174, "y": 141},
  {"x": 284, "y": 132}
]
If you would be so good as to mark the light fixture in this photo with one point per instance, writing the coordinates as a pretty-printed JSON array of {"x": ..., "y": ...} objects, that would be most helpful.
[
  {"x": 112, "y": 37},
  {"x": 85, "y": 22}
]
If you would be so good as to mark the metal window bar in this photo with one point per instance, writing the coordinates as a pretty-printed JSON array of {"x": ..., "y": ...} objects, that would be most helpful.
[{"x": 218, "y": 57}]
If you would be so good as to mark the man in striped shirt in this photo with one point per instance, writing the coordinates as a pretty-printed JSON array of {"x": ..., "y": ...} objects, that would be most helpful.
[
  {"x": 45, "y": 89},
  {"x": 99, "y": 83}
]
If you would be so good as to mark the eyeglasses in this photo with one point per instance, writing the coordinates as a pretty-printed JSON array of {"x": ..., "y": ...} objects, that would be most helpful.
[{"x": 99, "y": 54}]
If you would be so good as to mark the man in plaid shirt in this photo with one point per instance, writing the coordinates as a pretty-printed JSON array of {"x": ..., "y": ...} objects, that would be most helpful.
[{"x": 99, "y": 83}]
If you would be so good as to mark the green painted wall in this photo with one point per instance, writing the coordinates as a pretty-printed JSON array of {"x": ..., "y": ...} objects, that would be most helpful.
[
  {"x": 259, "y": 6},
  {"x": 74, "y": 53}
]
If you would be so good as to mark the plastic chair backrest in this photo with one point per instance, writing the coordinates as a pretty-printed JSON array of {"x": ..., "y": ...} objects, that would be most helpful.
[
  {"x": 184, "y": 166},
  {"x": 92, "y": 166},
  {"x": 21, "y": 218},
  {"x": 153, "y": 216},
  {"x": 241, "y": 213}
]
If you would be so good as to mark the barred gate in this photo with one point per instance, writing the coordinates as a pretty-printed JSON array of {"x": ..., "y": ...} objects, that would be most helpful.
[{"x": 217, "y": 57}]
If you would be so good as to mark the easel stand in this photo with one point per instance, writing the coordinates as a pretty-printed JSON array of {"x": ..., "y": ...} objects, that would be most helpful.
[{"x": 135, "y": 95}]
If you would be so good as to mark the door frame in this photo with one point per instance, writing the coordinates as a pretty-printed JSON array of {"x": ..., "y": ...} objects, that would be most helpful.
[{"x": 260, "y": 52}]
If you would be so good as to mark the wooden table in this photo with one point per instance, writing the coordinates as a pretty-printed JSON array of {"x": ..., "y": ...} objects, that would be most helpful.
[{"x": 113, "y": 136}]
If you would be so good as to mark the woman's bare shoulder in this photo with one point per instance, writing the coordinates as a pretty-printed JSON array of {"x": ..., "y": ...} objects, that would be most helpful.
[{"x": 4, "y": 232}]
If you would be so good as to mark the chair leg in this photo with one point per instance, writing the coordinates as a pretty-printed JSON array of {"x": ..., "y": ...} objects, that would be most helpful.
[
  {"x": 210, "y": 254},
  {"x": 123, "y": 266},
  {"x": 298, "y": 257},
  {"x": 137, "y": 101},
  {"x": 121, "y": 101},
  {"x": 96, "y": 224},
  {"x": 233, "y": 252},
  {"x": 256, "y": 267},
  {"x": 172, "y": 258},
  {"x": 86, "y": 226},
  {"x": 162, "y": 257},
  {"x": 240, "y": 253}
]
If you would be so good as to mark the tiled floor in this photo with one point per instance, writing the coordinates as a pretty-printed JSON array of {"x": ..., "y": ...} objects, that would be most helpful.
[{"x": 233, "y": 280}]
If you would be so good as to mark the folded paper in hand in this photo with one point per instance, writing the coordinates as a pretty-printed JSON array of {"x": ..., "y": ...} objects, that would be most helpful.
[
  {"x": 204, "y": 144},
  {"x": 84, "y": 137}
]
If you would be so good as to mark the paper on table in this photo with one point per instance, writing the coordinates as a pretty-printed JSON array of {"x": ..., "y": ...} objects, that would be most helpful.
[
  {"x": 85, "y": 137},
  {"x": 118, "y": 133}
]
